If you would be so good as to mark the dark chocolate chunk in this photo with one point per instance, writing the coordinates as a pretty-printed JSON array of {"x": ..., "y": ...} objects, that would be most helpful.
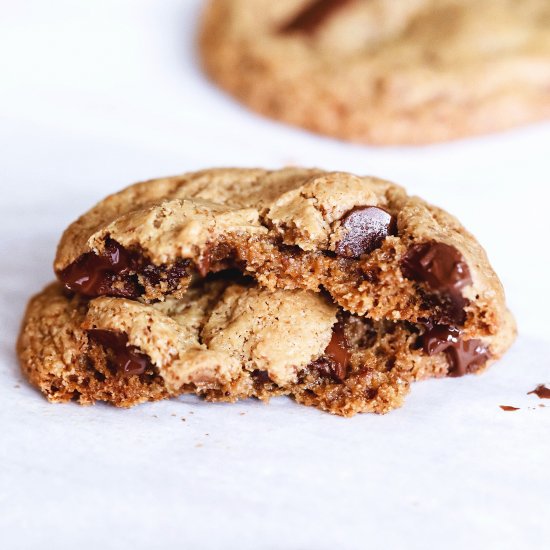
[
  {"x": 365, "y": 228},
  {"x": 464, "y": 356},
  {"x": 439, "y": 265},
  {"x": 97, "y": 274},
  {"x": 334, "y": 362},
  {"x": 261, "y": 376},
  {"x": 115, "y": 272},
  {"x": 128, "y": 359},
  {"x": 541, "y": 391},
  {"x": 444, "y": 270},
  {"x": 312, "y": 17},
  {"x": 371, "y": 393}
]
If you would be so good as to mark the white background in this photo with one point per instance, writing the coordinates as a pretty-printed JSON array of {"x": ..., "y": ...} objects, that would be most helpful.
[{"x": 95, "y": 95}]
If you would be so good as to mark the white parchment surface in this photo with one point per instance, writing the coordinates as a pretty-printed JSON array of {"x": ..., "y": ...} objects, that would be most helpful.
[{"x": 95, "y": 95}]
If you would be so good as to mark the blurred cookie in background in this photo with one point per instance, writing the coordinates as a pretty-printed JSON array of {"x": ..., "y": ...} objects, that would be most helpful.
[{"x": 384, "y": 71}]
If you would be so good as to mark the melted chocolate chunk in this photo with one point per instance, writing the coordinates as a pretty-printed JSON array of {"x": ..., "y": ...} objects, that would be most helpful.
[
  {"x": 106, "y": 273},
  {"x": 334, "y": 362},
  {"x": 464, "y": 356},
  {"x": 443, "y": 268},
  {"x": 541, "y": 391},
  {"x": 115, "y": 271},
  {"x": 508, "y": 408},
  {"x": 365, "y": 229},
  {"x": 312, "y": 17},
  {"x": 439, "y": 265},
  {"x": 127, "y": 359}
]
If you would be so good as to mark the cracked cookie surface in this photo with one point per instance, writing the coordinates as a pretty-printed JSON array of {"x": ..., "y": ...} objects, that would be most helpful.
[{"x": 382, "y": 71}]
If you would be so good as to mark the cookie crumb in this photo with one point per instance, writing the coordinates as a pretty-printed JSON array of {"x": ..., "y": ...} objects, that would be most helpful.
[{"x": 508, "y": 408}]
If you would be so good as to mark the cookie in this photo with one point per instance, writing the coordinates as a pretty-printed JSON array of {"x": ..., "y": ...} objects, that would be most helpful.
[
  {"x": 381, "y": 71},
  {"x": 335, "y": 289}
]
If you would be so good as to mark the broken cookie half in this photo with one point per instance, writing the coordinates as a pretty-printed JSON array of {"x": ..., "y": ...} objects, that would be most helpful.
[
  {"x": 334, "y": 289},
  {"x": 224, "y": 340}
]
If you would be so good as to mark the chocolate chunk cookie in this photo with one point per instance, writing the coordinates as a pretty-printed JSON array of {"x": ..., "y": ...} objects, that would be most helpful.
[
  {"x": 335, "y": 289},
  {"x": 382, "y": 71}
]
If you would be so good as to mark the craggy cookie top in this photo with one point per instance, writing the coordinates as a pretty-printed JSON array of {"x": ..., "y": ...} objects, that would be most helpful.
[
  {"x": 384, "y": 71},
  {"x": 176, "y": 216}
]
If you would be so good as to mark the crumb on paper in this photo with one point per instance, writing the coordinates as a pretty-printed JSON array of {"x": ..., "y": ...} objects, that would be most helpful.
[
  {"x": 508, "y": 408},
  {"x": 541, "y": 391}
]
